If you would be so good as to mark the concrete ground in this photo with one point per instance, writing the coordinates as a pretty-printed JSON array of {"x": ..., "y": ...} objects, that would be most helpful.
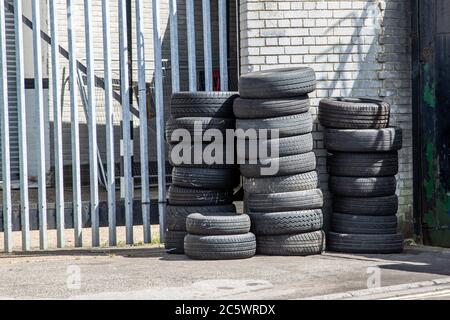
[{"x": 147, "y": 272}]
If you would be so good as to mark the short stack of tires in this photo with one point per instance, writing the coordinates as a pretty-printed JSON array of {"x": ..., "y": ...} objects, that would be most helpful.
[
  {"x": 284, "y": 207},
  {"x": 219, "y": 237},
  {"x": 362, "y": 163},
  {"x": 197, "y": 187}
]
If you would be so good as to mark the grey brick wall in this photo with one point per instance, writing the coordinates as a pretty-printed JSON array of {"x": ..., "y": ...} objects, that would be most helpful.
[{"x": 357, "y": 48}]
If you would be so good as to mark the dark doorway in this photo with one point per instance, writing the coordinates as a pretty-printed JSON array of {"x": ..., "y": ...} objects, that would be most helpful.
[{"x": 431, "y": 77}]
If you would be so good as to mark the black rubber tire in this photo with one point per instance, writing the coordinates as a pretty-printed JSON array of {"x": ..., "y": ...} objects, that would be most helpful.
[
  {"x": 277, "y": 83},
  {"x": 238, "y": 246},
  {"x": 296, "y": 182},
  {"x": 374, "y": 206},
  {"x": 188, "y": 123},
  {"x": 198, "y": 197},
  {"x": 299, "y": 163},
  {"x": 215, "y": 225},
  {"x": 174, "y": 241},
  {"x": 284, "y": 201},
  {"x": 287, "y": 146},
  {"x": 203, "y": 104},
  {"x": 347, "y": 223},
  {"x": 354, "y": 113},
  {"x": 287, "y": 126},
  {"x": 190, "y": 163},
  {"x": 176, "y": 215},
  {"x": 363, "y": 164},
  {"x": 291, "y": 245},
  {"x": 290, "y": 222},
  {"x": 365, "y": 243},
  {"x": 205, "y": 178},
  {"x": 270, "y": 108},
  {"x": 362, "y": 187},
  {"x": 363, "y": 140}
]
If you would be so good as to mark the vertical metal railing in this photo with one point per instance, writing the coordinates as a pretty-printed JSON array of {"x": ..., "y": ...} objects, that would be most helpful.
[
  {"x": 22, "y": 121},
  {"x": 6, "y": 172},
  {"x": 110, "y": 186},
  {"x": 57, "y": 120},
  {"x": 39, "y": 103},
  {"x": 92, "y": 124},
  {"x": 126, "y": 118},
  {"x": 143, "y": 132},
  {"x": 207, "y": 48},
  {"x": 159, "y": 103},
  {"x": 192, "y": 56},
  {"x": 76, "y": 68},
  {"x": 75, "y": 130}
]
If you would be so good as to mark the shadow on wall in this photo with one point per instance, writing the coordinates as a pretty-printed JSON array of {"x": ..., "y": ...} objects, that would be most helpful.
[{"x": 358, "y": 72}]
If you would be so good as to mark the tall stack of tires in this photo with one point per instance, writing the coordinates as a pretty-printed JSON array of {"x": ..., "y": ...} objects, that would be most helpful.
[
  {"x": 219, "y": 237},
  {"x": 284, "y": 207},
  {"x": 362, "y": 163},
  {"x": 197, "y": 185}
]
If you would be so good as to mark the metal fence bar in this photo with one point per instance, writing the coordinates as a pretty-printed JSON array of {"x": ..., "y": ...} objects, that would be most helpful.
[
  {"x": 6, "y": 171},
  {"x": 24, "y": 203},
  {"x": 207, "y": 50},
  {"x": 192, "y": 60},
  {"x": 75, "y": 133},
  {"x": 57, "y": 120},
  {"x": 39, "y": 103},
  {"x": 175, "y": 61},
  {"x": 110, "y": 185},
  {"x": 223, "y": 45},
  {"x": 92, "y": 124},
  {"x": 145, "y": 187},
  {"x": 159, "y": 102},
  {"x": 126, "y": 118}
]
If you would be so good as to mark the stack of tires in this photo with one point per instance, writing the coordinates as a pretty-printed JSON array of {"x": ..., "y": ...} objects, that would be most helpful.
[
  {"x": 197, "y": 185},
  {"x": 219, "y": 237},
  {"x": 284, "y": 206},
  {"x": 362, "y": 163}
]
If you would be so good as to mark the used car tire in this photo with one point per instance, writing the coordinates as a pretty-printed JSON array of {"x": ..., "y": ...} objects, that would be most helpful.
[
  {"x": 277, "y": 83},
  {"x": 292, "y": 245},
  {"x": 174, "y": 241},
  {"x": 189, "y": 161},
  {"x": 205, "y": 178},
  {"x": 296, "y": 182},
  {"x": 362, "y": 187},
  {"x": 363, "y": 164},
  {"x": 286, "y": 126},
  {"x": 363, "y": 140},
  {"x": 284, "y": 201},
  {"x": 373, "y": 206},
  {"x": 203, "y": 104},
  {"x": 188, "y": 124},
  {"x": 222, "y": 247},
  {"x": 176, "y": 215},
  {"x": 290, "y": 222},
  {"x": 287, "y": 146},
  {"x": 199, "y": 197},
  {"x": 223, "y": 224},
  {"x": 270, "y": 108},
  {"x": 357, "y": 224},
  {"x": 299, "y": 163},
  {"x": 365, "y": 243},
  {"x": 354, "y": 113}
]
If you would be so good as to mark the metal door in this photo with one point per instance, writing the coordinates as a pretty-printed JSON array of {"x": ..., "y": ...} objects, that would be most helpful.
[{"x": 432, "y": 120}]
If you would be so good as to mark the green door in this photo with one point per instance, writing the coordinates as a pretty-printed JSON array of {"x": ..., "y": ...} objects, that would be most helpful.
[{"x": 431, "y": 70}]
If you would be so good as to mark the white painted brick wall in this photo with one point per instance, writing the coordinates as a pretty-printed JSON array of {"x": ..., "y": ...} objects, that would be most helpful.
[{"x": 357, "y": 48}]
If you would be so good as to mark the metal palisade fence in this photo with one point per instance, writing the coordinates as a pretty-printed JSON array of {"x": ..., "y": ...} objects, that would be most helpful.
[{"x": 85, "y": 64}]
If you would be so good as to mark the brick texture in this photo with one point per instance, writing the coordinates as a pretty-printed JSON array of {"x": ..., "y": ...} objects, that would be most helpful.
[{"x": 357, "y": 48}]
